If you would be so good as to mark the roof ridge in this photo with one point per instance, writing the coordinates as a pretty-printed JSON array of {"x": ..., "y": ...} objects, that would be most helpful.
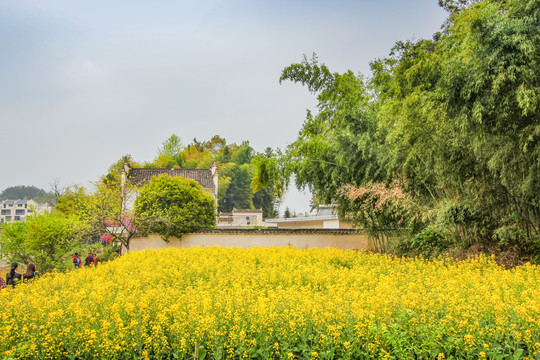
[{"x": 204, "y": 177}]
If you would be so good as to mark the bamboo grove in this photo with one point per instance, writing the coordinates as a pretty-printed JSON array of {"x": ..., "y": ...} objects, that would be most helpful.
[{"x": 440, "y": 142}]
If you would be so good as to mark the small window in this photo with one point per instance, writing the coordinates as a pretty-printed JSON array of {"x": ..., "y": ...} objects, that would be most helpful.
[{"x": 17, "y": 218}]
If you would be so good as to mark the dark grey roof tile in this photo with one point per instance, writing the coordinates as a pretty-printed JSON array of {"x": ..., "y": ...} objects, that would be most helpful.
[{"x": 139, "y": 177}]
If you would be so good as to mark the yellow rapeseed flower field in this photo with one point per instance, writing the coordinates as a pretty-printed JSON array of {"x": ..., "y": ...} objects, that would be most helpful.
[{"x": 275, "y": 303}]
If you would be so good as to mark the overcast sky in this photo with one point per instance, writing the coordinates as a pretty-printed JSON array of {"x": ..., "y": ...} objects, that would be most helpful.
[{"x": 83, "y": 83}]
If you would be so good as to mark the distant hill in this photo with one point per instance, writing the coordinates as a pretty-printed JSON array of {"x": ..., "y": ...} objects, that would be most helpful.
[{"x": 24, "y": 192}]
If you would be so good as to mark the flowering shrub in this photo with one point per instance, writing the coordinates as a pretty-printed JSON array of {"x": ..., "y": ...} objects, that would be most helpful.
[{"x": 275, "y": 303}]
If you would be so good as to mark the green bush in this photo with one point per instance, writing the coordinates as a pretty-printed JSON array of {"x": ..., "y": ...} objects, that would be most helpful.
[
  {"x": 46, "y": 240},
  {"x": 109, "y": 253},
  {"x": 172, "y": 206},
  {"x": 429, "y": 243}
]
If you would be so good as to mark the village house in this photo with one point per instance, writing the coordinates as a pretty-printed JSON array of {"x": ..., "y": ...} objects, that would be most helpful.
[
  {"x": 137, "y": 177},
  {"x": 326, "y": 218},
  {"x": 241, "y": 218},
  {"x": 18, "y": 210}
]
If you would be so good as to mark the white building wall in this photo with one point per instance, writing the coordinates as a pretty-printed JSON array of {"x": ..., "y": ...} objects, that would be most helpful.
[
  {"x": 331, "y": 224},
  {"x": 351, "y": 241},
  {"x": 19, "y": 210}
]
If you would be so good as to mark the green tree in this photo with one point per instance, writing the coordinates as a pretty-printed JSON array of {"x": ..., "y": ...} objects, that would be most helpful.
[
  {"x": 74, "y": 201},
  {"x": 287, "y": 214},
  {"x": 22, "y": 192},
  {"x": 235, "y": 169},
  {"x": 456, "y": 5},
  {"x": 43, "y": 239},
  {"x": 265, "y": 199},
  {"x": 242, "y": 154},
  {"x": 224, "y": 155},
  {"x": 107, "y": 210},
  {"x": 110, "y": 210},
  {"x": 215, "y": 144},
  {"x": 462, "y": 113},
  {"x": 238, "y": 194},
  {"x": 338, "y": 148},
  {"x": 173, "y": 206},
  {"x": 171, "y": 149},
  {"x": 194, "y": 156},
  {"x": 444, "y": 135},
  {"x": 262, "y": 184}
]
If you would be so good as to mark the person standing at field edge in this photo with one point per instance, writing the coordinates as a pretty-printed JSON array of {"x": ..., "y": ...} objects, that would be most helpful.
[
  {"x": 89, "y": 260},
  {"x": 12, "y": 277},
  {"x": 77, "y": 261},
  {"x": 31, "y": 272}
]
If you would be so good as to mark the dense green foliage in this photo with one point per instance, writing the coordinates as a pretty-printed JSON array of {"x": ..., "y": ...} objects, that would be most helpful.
[
  {"x": 173, "y": 206},
  {"x": 22, "y": 192},
  {"x": 444, "y": 135},
  {"x": 238, "y": 194},
  {"x": 43, "y": 239},
  {"x": 74, "y": 200},
  {"x": 108, "y": 211},
  {"x": 462, "y": 114},
  {"x": 236, "y": 169}
]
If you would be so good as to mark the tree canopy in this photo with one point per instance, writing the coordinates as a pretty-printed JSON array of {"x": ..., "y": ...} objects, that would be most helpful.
[
  {"x": 236, "y": 168},
  {"x": 444, "y": 134},
  {"x": 42, "y": 239},
  {"x": 173, "y": 206},
  {"x": 23, "y": 192}
]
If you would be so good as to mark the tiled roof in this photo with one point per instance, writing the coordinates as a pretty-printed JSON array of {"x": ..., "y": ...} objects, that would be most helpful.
[
  {"x": 17, "y": 202},
  {"x": 303, "y": 218},
  {"x": 279, "y": 231},
  {"x": 139, "y": 177},
  {"x": 235, "y": 210}
]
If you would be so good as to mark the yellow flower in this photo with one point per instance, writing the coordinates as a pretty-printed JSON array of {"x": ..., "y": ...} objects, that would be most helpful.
[{"x": 233, "y": 299}]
